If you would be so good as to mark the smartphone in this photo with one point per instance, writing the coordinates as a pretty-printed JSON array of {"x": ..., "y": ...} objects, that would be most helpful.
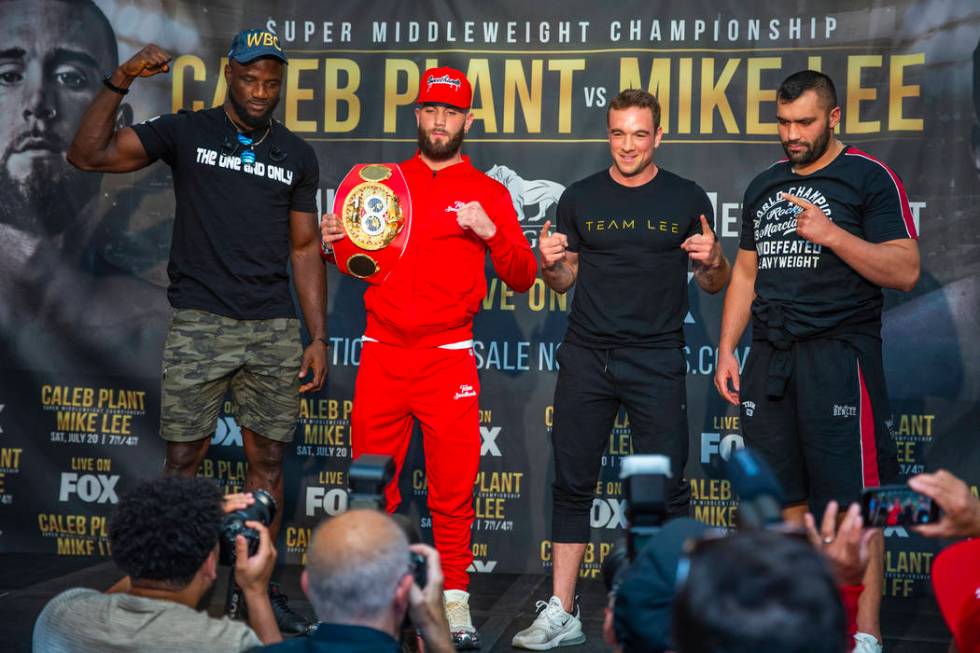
[{"x": 896, "y": 505}]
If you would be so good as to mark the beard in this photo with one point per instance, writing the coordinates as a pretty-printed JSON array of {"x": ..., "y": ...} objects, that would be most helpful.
[
  {"x": 438, "y": 151},
  {"x": 811, "y": 152},
  {"x": 247, "y": 119},
  {"x": 49, "y": 201}
]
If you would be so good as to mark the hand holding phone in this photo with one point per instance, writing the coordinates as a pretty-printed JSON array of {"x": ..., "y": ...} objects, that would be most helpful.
[
  {"x": 960, "y": 507},
  {"x": 897, "y": 505}
]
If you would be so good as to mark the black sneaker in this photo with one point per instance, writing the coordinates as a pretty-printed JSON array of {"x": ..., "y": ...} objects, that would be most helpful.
[{"x": 289, "y": 621}]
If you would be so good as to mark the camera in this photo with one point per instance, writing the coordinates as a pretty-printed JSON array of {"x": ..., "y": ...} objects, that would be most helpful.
[
  {"x": 368, "y": 476},
  {"x": 645, "y": 489},
  {"x": 233, "y": 525},
  {"x": 420, "y": 571}
]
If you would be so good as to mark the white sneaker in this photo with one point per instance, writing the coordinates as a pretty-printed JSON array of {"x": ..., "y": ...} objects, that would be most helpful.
[
  {"x": 465, "y": 637},
  {"x": 552, "y": 628},
  {"x": 865, "y": 643}
]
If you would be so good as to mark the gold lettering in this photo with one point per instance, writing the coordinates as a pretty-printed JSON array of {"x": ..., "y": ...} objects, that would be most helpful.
[
  {"x": 898, "y": 91},
  {"x": 713, "y": 95},
  {"x": 489, "y": 508},
  {"x": 482, "y": 107},
  {"x": 857, "y": 94},
  {"x": 685, "y": 99},
  {"x": 335, "y": 94},
  {"x": 179, "y": 69},
  {"x": 221, "y": 89},
  {"x": 394, "y": 70},
  {"x": 71, "y": 546},
  {"x": 566, "y": 69},
  {"x": 516, "y": 87},
  {"x": 10, "y": 458},
  {"x": 295, "y": 94},
  {"x": 298, "y": 537},
  {"x": 658, "y": 85},
  {"x": 756, "y": 95}
]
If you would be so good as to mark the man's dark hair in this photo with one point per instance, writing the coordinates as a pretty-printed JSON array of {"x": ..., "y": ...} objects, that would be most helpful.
[
  {"x": 164, "y": 529},
  {"x": 808, "y": 80},
  {"x": 104, "y": 26},
  {"x": 759, "y": 592},
  {"x": 635, "y": 97}
]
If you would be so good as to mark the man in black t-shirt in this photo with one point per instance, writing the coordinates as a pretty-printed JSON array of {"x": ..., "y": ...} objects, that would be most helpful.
[
  {"x": 246, "y": 207},
  {"x": 823, "y": 231},
  {"x": 624, "y": 239}
]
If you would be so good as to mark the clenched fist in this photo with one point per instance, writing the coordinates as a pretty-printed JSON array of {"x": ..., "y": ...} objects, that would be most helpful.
[
  {"x": 149, "y": 61},
  {"x": 472, "y": 216}
]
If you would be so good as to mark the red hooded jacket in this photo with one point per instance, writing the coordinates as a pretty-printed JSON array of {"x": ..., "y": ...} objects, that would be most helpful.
[{"x": 435, "y": 290}]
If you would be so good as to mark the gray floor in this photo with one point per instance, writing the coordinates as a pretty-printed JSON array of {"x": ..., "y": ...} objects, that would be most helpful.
[{"x": 502, "y": 604}]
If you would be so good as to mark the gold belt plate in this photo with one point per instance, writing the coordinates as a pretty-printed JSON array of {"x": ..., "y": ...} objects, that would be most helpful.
[{"x": 372, "y": 215}]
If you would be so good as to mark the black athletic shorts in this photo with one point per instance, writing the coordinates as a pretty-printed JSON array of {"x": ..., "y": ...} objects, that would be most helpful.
[
  {"x": 592, "y": 384},
  {"x": 830, "y": 434}
]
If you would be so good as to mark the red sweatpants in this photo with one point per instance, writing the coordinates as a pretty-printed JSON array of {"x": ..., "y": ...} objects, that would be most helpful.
[{"x": 441, "y": 389}]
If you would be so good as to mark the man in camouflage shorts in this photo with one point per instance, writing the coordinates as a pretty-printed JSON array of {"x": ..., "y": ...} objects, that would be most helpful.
[
  {"x": 206, "y": 353},
  {"x": 240, "y": 221}
]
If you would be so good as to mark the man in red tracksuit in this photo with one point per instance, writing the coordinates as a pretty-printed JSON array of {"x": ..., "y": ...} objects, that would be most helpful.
[{"x": 417, "y": 361}]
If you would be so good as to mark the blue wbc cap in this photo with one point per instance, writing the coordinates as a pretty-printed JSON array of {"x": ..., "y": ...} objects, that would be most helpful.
[{"x": 250, "y": 44}]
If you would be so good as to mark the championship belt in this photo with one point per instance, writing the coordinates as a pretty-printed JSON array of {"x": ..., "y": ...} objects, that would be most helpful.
[{"x": 375, "y": 209}]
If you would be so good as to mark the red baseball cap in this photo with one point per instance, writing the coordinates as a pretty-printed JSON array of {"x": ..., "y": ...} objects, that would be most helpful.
[
  {"x": 445, "y": 85},
  {"x": 956, "y": 582}
]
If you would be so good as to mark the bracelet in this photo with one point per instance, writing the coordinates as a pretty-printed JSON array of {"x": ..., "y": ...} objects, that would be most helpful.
[
  {"x": 112, "y": 87},
  {"x": 324, "y": 341}
]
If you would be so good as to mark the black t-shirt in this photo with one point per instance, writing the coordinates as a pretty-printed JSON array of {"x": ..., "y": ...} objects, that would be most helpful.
[
  {"x": 631, "y": 289},
  {"x": 814, "y": 289},
  {"x": 231, "y": 230}
]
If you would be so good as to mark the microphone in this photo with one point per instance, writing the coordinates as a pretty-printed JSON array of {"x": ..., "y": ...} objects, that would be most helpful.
[
  {"x": 759, "y": 492},
  {"x": 276, "y": 154},
  {"x": 228, "y": 148}
]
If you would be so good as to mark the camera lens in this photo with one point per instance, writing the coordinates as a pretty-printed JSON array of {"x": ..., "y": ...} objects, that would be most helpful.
[{"x": 233, "y": 525}]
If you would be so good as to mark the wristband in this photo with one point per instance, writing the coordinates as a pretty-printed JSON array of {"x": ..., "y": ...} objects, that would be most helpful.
[
  {"x": 324, "y": 341},
  {"x": 107, "y": 82}
]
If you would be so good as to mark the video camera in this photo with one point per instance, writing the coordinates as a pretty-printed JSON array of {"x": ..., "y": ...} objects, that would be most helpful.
[
  {"x": 644, "y": 583},
  {"x": 759, "y": 493}
]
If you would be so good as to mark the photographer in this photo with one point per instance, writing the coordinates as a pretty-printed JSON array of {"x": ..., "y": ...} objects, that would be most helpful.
[
  {"x": 359, "y": 579},
  {"x": 164, "y": 535},
  {"x": 645, "y": 590},
  {"x": 759, "y": 591}
]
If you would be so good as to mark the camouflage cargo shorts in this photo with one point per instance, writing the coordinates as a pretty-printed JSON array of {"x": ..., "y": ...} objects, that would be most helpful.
[{"x": 205, "y": 355}]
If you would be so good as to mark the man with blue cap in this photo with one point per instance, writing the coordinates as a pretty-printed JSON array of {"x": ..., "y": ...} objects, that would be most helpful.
[{"x": 245, "y": 190}]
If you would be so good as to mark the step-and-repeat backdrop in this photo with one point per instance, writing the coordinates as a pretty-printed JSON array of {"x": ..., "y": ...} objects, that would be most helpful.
[{"x": 83, "y": 310}]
